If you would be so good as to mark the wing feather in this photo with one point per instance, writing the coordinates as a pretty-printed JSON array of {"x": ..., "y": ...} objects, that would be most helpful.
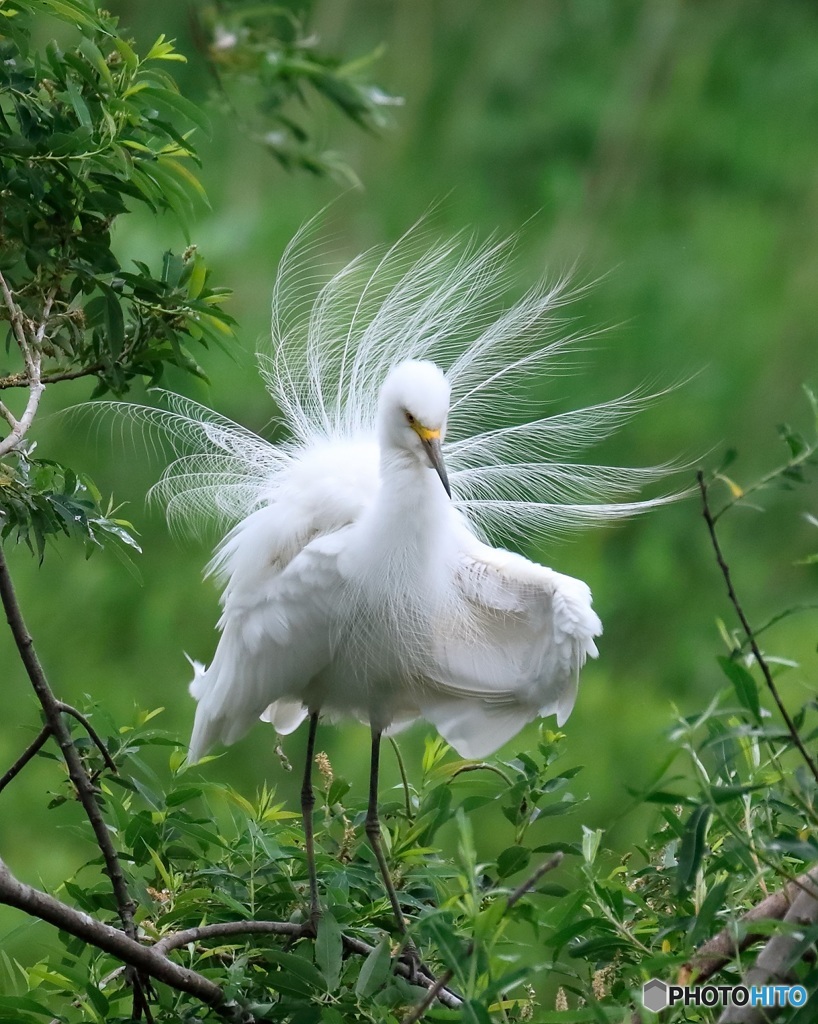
[
  {"x": 270, "y": 647},
  {"x": 532, "y": 630}
]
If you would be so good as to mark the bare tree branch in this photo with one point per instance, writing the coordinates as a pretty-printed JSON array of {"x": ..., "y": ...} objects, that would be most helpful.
[
  {"x": 718, "y": 951},
  {"x": 20, "y": 427},
  {"x": 31, "y": 750},
  {"x": 53, "y": 710},
  {"x": 238, "y": 928},
  {"x": 21, "y": 380},
  {"x": 223, "y": 929},
  {"x": 773, "y": 962},
  {"x": 146, "y": 960},
  {"x": 29, "y": 342},
  {"x": 153, "y": 961},
  {"x": 748, "y": 631},
  {"x": 67, "y": 709}
]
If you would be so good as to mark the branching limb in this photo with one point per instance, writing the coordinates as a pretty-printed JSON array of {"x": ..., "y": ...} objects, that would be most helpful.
[
  {"x": 153, "y": 960},
  {"x": 19, "y": 428},
  {"x": 146, "y": 960},
  {"x": 31, "y": 750},
  {"x": 29, "y": 341},
  {"x": 224, "y": 929},
  {"x": 736, "y": 937},
  {"x": 176, "y": 940},
  {"x": 435, "y": 990},
  {"x": 53, "y": 710},
  {"x": 67, "y": 709},
  {"x": 21, "y": 380},
  {"x": 773, "y": 962},
  {"x": 8, "y": 416},
  {"x": 748, "y": 631}
]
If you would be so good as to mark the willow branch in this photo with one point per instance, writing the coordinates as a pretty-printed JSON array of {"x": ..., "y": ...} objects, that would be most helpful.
[
  {"x": 30, "y": 349},
  {"x": 748, "y": 632},
  {"x": 31, "y": 750},
  {"x": 718, "y": 951},
  {"x": 53, "y": 710},
  {"x": 15, "y": 316},
  {"x": 223, "y": 929},
  {"x": 144, "y": 959},
  {"x": 21, "y": 380},
  {"x": 20, "y": 427},
  {"x": 435, "y": 990},
  {"x": 67, "y": 709},
  {"x": 773, "y": 962}
]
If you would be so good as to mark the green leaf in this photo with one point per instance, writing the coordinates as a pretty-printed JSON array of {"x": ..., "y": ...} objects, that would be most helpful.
[
  {"x": 79, "y": 105},
  {"x": 178, "y": 104},
  {"x": 297, "y": 975},
  {"x": 709, "y": 908},
  {"x": 743, "y": 683},
  {"x": 692, "y": 847},
  {"x": 329, "y": 948},
  {"x": 114, "y": 320},
  {"x": 512, "y": 860},
  {"x": 375, "y": 969}
]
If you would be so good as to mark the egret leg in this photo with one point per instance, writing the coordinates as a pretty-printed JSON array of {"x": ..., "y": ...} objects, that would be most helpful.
[
  {"x": 373, "y": 831},
  {"x": 307, "y": 806}
]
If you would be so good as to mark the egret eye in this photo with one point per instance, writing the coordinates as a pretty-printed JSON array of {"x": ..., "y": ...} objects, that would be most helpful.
[{"x": 410, "y": 419}]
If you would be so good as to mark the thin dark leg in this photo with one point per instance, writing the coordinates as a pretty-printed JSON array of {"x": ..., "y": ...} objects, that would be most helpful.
[
  {"x": 307, "y": 805},
  {"x": 373, "y": 831}
]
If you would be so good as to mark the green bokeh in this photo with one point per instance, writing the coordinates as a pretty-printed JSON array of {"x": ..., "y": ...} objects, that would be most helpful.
[{"x": 668, "y": 149}]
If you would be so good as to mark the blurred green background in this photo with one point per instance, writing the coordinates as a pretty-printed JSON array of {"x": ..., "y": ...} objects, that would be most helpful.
[{"x": 668, "y": 149}]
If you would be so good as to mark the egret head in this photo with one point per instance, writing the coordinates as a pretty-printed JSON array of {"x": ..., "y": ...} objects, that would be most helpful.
[{"x": 412, "y": 412}]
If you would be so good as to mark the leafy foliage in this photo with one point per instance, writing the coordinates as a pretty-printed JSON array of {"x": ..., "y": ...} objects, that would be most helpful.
[
  {"x": 86, "y": 129},
  {"x": 41, "y": 499},
  {"x": 264, "y": 60}
]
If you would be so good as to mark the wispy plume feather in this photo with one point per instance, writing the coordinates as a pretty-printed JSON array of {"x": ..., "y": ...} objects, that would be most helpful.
[{"x": 334, "y": 339}]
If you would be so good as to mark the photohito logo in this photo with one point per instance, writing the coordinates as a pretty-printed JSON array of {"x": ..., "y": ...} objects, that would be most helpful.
[{"x": 658, "y": 995}]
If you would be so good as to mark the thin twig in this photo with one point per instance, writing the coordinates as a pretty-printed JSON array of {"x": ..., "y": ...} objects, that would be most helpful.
[
  {"x": 15, "y": 316},
  {"x": 553, "y": 861},
  {"x": 67, "y": 709},
  {"x": 175, "y": 940},
  {"x": 481, "y": 766},
  {"x": 420, "y": 1008},
  {"x": 79, "y": 777},
  {"x": 21, "y": 380},
  {"x": 748, "y": 631},
  {"x": 31, "y": 750}
]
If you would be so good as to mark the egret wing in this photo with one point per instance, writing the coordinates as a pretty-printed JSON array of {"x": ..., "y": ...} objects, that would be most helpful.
[
  {"x": 522, "y": 634},
  {"x": 270, "y": 647}
]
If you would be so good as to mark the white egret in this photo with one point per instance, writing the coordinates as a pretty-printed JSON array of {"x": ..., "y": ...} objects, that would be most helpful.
[{"x": 356, "y": 577}]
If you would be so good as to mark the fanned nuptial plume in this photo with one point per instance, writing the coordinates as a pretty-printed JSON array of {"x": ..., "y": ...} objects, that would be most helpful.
[{"x": 335, "y": 340}]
